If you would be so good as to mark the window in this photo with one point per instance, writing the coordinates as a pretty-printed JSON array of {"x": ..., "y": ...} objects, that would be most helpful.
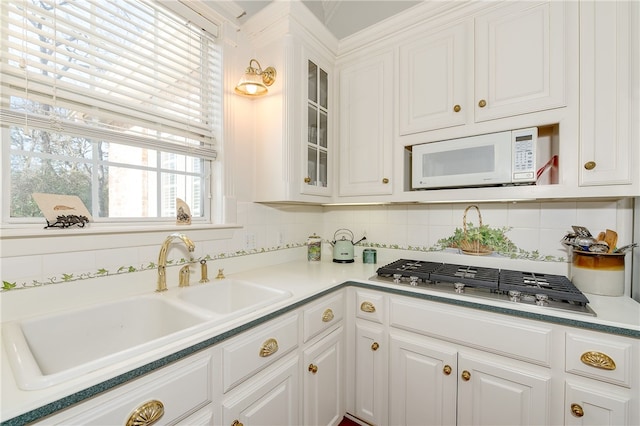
[{"x": 117, "y": 102}]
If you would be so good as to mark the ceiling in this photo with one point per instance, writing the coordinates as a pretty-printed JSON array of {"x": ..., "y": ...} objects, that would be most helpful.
[{"x": 341, "y": 17}]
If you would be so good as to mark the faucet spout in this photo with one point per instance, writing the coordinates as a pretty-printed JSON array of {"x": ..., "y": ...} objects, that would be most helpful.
[{"x": 162, "y": 258}]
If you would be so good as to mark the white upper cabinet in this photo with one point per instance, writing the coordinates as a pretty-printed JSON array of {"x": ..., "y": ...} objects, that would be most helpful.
[
  {"x": 433, "y": 80},
  {"x": 519, "y": 60},
  {"x": 504, "y": 62},
  {"x": 608, "y": 92},
  {"x": 366, "y": 133}
]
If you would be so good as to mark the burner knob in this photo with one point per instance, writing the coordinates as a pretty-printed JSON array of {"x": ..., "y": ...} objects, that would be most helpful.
[
  {"x": 397, "y": 278},
  {"x": 542, "y": 299},
  {"x": 413, "y": 281},
  {"x": 514, "y": 295},
  {"x": 459, "y": 287}
]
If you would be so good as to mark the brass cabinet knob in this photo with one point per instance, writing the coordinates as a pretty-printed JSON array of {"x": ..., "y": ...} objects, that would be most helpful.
[
  {"x": 307, "y": 180},
  {"x": 598, "y": 360},
  {"x": 577, "y": 410},
  {"x": 385, "y": 180},
  {"x": 236, "y": 423},
  {"x": 466, "y": 375},
  {"x": 269, "y": 347},
  {"x": 313, "y": 368},
  {"x": 482, "y": 103},
  {"x": 590, "y": 165},
  {"x": 146, "y": 414},
  {"x": 327, "y": 315},
  {"x": 375, "y": 346},
  {"x": 446, "y": 370},
  {"x": 367, "y": 307},
  {"x": 456, "y": 108}
]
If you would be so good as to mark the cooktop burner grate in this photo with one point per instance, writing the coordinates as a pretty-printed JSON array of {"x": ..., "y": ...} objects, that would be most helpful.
[
  {"x": 557, "y": 287},
  {"x": 469, "y": 275},
  {"x": 409, "y": 268}
]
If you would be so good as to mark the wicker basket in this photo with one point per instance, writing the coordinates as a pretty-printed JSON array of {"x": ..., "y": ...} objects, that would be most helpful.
[{"x": 473, "y": 247}]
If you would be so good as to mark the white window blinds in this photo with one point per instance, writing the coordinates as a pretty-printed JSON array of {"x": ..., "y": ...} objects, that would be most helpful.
[{"x": 121, "y": 70}]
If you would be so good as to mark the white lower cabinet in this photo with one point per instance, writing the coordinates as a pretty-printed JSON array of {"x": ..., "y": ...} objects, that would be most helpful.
[
  {"x": 169, "y": 395},
  {"x": 433, "y": 383},
  {"x": 493, "y": 390},
  {"x": 324, "y": 381},
  {"x": 270, "y": 398},
  {"x": 422, "y": 381},
  {"x": 370, "y": 389}
]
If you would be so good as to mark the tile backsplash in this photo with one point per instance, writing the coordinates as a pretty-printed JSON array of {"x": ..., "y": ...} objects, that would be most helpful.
[{"x": 533, "y": 226}]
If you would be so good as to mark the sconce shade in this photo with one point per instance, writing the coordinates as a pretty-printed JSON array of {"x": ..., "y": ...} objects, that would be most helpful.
[{"x": 254, "y": 82}]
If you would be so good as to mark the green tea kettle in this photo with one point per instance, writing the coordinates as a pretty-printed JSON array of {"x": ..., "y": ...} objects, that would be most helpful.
[{"x": 343, "y": 247}]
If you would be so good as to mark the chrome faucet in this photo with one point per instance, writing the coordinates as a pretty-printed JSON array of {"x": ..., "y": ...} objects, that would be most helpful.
[{"x": 162, "y": 259}]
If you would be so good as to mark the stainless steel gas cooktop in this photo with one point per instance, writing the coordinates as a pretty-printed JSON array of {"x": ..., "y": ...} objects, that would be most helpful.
[{"x": 544, "y": 290}]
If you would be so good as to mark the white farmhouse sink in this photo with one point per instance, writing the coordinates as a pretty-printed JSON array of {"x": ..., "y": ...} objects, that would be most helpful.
[
  {"x": 230, "y": 297},
  {"x": 54, "y": 348}
]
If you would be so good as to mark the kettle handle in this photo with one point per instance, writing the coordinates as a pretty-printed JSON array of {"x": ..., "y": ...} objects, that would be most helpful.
[{"x": 338, "y": 232}]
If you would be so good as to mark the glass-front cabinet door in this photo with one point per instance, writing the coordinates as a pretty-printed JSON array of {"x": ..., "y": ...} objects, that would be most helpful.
[{"x": 317, "y": 127}]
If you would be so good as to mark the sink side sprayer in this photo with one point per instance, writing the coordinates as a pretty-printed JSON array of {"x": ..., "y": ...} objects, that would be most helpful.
[{"x": 162, "y": 258}]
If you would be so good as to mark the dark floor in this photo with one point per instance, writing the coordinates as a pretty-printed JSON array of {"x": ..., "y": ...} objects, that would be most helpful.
[{"x": 346, "y": 422}]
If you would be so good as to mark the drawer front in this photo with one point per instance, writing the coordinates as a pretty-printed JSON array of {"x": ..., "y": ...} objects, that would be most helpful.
[
  {"x": 516, "y": 338},
  {"x": 247, "y": 354},
  {"x": 323, "y": 314},
  {"x": 370, "y": 306},
  {"x": 600, "y": 357},
  {"x": 181, "y": 389}
]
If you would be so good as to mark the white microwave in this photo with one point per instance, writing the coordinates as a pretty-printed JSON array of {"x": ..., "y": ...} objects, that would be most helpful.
[{"x": 507, "y": 158}]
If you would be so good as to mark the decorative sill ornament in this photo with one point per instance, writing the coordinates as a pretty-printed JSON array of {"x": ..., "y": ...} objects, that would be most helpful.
[
  {"x": 183, "y": 217},
  {"x": 62, "y": 211}
]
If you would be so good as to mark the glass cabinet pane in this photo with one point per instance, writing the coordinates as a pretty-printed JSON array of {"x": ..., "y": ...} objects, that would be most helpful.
[
  {"x": 313, "y": 82},
  {"x": 312, "y": 165},
  {"x": 323, "y": 168},
  {"x": 312, "y": 115},
  {"x": 324, "y": 88},
  {"x": 322, "y": 130}
]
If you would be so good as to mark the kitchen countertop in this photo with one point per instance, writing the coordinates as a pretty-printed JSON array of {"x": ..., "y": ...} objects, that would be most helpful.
[{"x": 287, "y": 271}]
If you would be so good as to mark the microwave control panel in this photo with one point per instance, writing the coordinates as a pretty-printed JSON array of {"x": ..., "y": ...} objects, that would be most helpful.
[{"x": 524, "y": 155}]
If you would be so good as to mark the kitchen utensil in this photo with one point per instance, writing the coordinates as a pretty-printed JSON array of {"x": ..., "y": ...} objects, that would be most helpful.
[
  {"x": 343, "y": 247},
  {"x": 598, "y": 273},
  {"x": 611, "y": 238},
  {"x": 581, "y": 231},
  {"x": 626, "y": 248}
]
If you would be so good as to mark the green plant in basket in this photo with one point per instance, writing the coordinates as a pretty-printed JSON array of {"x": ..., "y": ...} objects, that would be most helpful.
[{"x": 479, "y": 240}]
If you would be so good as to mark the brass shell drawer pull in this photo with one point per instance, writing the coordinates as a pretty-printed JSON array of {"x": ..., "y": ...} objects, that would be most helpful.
[
  {"x": 577, "y": 410},
  {"x": 598, "y": 360},
  {"x": 466, "y": 376},
  {"x": 367, "y": 307},
  {"x": 375, "y": 346},
  {"x": 146, "y": 414},
  {"x": 327, "y": 315},
  {"x": 269, "y": 347}
]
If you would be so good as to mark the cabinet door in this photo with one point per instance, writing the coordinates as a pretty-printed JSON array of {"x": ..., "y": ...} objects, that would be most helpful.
[
  {"x": 323, "y": 381},
  {"x": 422, "y": 381},
  {"x": 591, "y": 405},
  {"x": 500, "y": 392},
  {"x": 366, "y": 133},
  {"x": 519, "y": 60},
  {"x": 433, "y": 81},
  {"x": 606, "y": 124},
  {"x": 271, "y": 398},
  {"x": 370, "y": 374},
  {"x": 317, "y": 146}
]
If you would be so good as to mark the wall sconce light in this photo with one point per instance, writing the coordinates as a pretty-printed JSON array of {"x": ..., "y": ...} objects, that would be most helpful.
[{"x": 254, "y": 82}]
